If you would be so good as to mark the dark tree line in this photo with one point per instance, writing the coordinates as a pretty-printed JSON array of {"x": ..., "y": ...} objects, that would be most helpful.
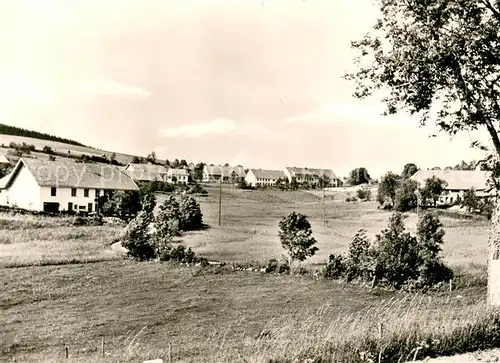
[{"x": 18, "y": 131}]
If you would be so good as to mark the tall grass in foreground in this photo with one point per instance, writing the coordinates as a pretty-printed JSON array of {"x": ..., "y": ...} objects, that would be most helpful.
[{"x": 398, "y": 330}]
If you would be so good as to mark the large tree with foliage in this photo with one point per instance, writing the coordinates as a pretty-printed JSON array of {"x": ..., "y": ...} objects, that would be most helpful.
[
  {"x": 387, "y": 188},
  {"x": 408, "y": 170},
  {"x": 440, "y": 60},
  {"x": 359, "y": 176}
]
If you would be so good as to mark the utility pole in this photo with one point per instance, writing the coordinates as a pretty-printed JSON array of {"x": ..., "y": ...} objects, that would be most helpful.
[
  {"x": 220, "y": 198},
  {"x": 418, "y": 207},
  {"x": 324, "y": 212}
]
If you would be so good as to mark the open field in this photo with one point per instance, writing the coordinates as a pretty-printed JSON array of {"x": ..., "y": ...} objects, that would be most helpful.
[
  {"x": 249, "y": 228},
  {"x": 142, "y": 307},
  {"x": 214, "y": 315},
  {"x": 35, "y": 240}
]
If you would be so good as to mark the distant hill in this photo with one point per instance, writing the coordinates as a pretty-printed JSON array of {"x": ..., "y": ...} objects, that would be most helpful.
[{"x": 18, "y": 131}]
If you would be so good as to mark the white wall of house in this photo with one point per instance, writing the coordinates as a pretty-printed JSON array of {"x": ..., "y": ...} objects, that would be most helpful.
[
  {"x": 64, "y": 196},
  {"x": 23, "y": 193},
  {"x": 250, "y": 178}
]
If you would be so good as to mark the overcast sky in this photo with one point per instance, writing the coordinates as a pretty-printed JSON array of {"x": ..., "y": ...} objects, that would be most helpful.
[{"x": 251, "y": 82}]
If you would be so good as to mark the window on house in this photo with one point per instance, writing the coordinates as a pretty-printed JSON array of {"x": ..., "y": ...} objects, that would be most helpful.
[
  {"x": 53, "y": 192},
  {"x": 73, "y": 192},
  {"x": 86, "y": 193},
  {"x": 81, "y": 207}
]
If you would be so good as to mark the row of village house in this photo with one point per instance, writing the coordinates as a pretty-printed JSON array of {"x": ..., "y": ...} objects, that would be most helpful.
[
  {"x": 43, "y": 185},
  {"x": 233, "y": 174}
]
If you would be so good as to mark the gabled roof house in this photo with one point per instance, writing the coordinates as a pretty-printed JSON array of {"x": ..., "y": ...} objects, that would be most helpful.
[
  {"x": 214, "y": 173},
  {"x": 146, "y": 172},
  {"x": 311, "y": 175},
  {"x": 457, "y": 182},
  {"x": 180, "y": 176},
  {"x": 53, "y": 186},
  {"x": 262, "y": 177}
]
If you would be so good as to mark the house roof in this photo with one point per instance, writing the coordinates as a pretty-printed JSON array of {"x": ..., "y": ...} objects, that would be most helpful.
[
  {"x": 142, "y": 175},
  {"x": 268, "y": 174},
  {"x": 324, "y": 172},
  {"x": 456, "y": 179},
  {"x": 4, "y": 180},
  {"x": 225, "y": 170},
  {"x": 178, "y": 172},
  {"x": 311, "y": 172},
  {"x": 73, "y": 175},
  {"x": 146, "y": 168}
]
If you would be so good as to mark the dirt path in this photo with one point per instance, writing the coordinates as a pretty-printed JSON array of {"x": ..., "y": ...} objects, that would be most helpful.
[{"x": 486, "y": 356}]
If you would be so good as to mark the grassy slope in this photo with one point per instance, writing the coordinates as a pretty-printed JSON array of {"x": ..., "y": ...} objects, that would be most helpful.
[
  {"x": 213, "y": 318},
  {"x": 33, "y": 240},
  {"x": 249, "y": 230},
  {"x": 61, "y": 147}
]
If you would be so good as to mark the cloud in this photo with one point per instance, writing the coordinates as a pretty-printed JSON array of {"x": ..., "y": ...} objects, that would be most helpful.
[
  {"x": 333, "y": 113},
  {"x": 218, "y": 126},
  {"x": 108, "y": 87}
]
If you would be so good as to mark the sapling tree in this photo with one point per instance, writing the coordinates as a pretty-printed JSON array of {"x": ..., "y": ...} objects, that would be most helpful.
[
  {"x": 432, "y": 190},
  {"x": 137, "y": 237},
  {"x": 296, "y": 237}
]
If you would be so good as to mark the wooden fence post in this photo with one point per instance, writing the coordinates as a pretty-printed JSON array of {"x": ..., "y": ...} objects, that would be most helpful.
[
  {"x": 102, "y": 345},
  {"x": 169, "y": 352},
  {"x": 66, "y": 351},
  {"x": 380, "y": 332}
]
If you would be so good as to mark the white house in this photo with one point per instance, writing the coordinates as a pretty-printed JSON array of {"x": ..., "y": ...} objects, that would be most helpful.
[
  {"x": 214, "y": 173},
  {"x": 52, "y": 186},
  {"x": 146, "y": 172},
  {"x": 311, "y": 176},
  {"x": 260, "y": 177},
  {"x": 179, "y": 176},
  {"x": 457, "y": 182}
]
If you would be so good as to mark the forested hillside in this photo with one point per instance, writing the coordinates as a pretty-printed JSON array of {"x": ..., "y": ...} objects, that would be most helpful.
[{"x": 18, "y": 131}]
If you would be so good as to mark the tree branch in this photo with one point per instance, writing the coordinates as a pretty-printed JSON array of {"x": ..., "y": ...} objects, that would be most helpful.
[{"x": 490, "y": 7}]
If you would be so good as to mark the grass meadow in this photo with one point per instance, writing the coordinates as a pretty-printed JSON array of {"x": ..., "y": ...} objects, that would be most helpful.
[{"x": 52, "y": 297}]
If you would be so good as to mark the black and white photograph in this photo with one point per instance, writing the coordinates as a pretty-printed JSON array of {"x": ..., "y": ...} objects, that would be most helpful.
[{"x": 249, "y": 181}]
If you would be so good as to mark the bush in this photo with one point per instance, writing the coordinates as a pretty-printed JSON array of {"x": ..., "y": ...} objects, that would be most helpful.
[
  {"x": 121, "y": 203},
  {"x": 406, "y": 196},
  {"x": 191, "y": 218},
  {"x": 47, "y": 150},
  {"x": 335, "y": 268},
  {"x": 272, "y": 266},
  {"x": 137, "y": 238},
  {"x": 181, "y": 255},
  {"x": 364, "y": 195},
  {"x": 296, "y": 237},
  {"x": 197, "y": 189},
  {"x": 284, "y": 268},
  {"x": 168, "y": 220},
  {"x": 396, "y": 258}
]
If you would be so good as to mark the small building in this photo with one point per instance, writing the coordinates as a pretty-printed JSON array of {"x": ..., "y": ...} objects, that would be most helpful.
[
  {"x": 457, "y": 182},
  {"x": 226, "y": 174},
  {"x": 54, "y": 186},
  {"x": 146, "y": 172},
  {"x": 312, "y": 176},
  {"x": 179, "y": 176},
  {"x": 260, "y": 177}
]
